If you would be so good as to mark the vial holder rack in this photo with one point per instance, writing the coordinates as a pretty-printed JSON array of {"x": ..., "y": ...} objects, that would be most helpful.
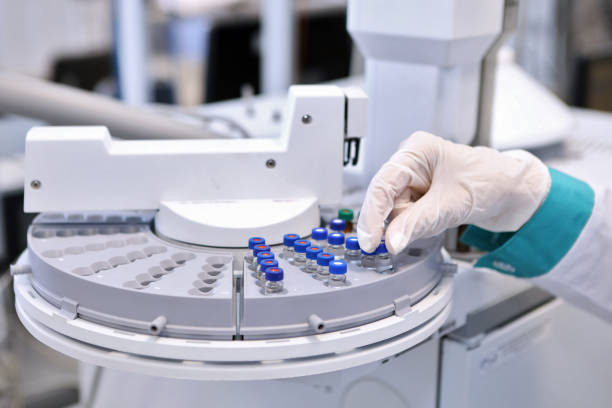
[{"x": 115, "y": 271}]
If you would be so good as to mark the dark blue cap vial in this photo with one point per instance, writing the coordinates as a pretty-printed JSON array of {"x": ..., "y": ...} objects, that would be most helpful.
[
  {"x": 319, "y": 234},
  {"x": 324, "y": 258},
  {"x": 352, "y": 243},
  {"x": 337, "y": 267},
  {"x": 269, "y": 263},
  {"x": 264, "y": 255},
  {"x": 382, "y": 248},
  {"x": 289, "y": 239},
  {"x": 337, "y": 224},
  {"x": 313, "y": 251},
  {"x": 336, "y": 238},
  {"x": 301, "y": 245},
  {"x": 260, "y": 248},
  {"x": 274, "y": 274},
  {"x": 256, "y": 241}
]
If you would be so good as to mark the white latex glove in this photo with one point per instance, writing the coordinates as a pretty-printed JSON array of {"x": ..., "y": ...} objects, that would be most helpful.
[{"x": 431, "y": 184}]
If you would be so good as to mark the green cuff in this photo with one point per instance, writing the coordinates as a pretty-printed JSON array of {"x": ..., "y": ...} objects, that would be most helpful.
[{"x": 544, "y": 240}]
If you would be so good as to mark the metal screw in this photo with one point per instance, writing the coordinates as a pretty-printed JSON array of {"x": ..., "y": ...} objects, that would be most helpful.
[
  {"x": 35, "y": 184},
  {"x": 306, "y": 119},
  {"x": 271, "y": 163}
]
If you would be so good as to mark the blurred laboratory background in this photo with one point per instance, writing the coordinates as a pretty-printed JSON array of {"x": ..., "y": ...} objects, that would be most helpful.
[{"x": 205, "y": 63}]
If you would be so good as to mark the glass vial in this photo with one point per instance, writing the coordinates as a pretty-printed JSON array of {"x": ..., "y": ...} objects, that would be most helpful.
[
  {"x": 323, "y": 260},
  {"x": 311, "y": 258},
  {"x": 274, "y": 281},
  {"x": 288, "y": 244},
  {"x": 299, "y": 259},
  {"x": 337, "y": 274},
  {"x": 248, "y": 257},
  {"x": 353, "y": 251},
  {"x": 347, "y": 215},
  {"x": 319, "y": 237},
  {"x": 263, "y": 267},
  {"x": 335, "y": 244}
]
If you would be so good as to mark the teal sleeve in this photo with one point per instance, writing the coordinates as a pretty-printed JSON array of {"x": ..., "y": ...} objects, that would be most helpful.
[{"x": 544, "y": 240}]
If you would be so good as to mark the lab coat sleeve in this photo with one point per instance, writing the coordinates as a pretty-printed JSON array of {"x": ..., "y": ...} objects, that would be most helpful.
[{"x": 565, "y": 248}]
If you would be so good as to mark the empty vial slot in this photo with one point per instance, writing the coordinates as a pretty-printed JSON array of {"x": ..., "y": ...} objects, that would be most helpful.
[
  {"x": 116, "y": 243},
  {"x": 109, "y": 230},
  {"x": 100, "y": 266},
  {"x": 205, "y": 289},
  {"x": 82, "y": 271},
  {"x": 215, "y": 273},
  {"x": 201, "y": 283},
  {"x": 115, "y": 261},
  {"x": 218, "y": 262},
  {"x": 43, "y": 233},
  {"x": 114, "y": 219},
  {"x": 95, "y": 218},
  {"x": 85, "y": 232},
  {"x": 96, "y": 246},
  {"x": 135, "y": 255},
  {"x": 152, "y": 250},
  {"x": 129, "y": 229},
  {"x": 75, "y": 217},
  {"x": 65, "y": 233},
  {"x": 75, "y": 250},
  {"x": 53, "y": 216},
  {"x": 137, "y": 240},
  {"x": 209, "y": 281},
  {"x": 415, "y": 251},
  {"x": 182, "y": 257},
  {"x": 133, "y": 219},
  {"x": 52, "y": 253},
  {"x": 133, "y": 285},
  {"x": 168, "y": 265},
  {"x": 157, "y": 272},
  {"x": 145, "y": 279}
]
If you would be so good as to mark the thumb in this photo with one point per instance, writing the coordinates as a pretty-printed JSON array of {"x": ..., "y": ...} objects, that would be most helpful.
[{"x": 422, "y": 218}]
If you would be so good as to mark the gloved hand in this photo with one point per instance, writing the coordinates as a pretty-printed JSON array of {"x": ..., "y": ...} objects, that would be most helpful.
[{"x": 431, "y": 184}]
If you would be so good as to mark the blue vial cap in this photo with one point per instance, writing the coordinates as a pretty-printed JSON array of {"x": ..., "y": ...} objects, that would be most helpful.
[
  {"x": 352, "y": 243},
  {"x": 313, "y": 251},
  {"x": 274, "y": 274},
  {"x": 319, "y": 234},
  {"x": 264, "y": 255},
  {"x": 289, "y": 239},
  {"x": 337, "y": 224},
  {"x": 256, "y": 241},
  {"x": 324, "y": 258},
  {"x": 260, "y": 248},
  {"x": 337, "y": 267},
  {"x": 382, "y": 248},
  {"x": 268, "y": 263},
  {"x": 336, "y": 238},
  {"x": 301, "y": 245}
]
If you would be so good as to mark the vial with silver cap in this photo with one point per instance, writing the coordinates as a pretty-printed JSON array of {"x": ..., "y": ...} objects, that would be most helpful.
[
  {"x": 319, "y": 237},
  {"x": 311, "y": 258},
  {"x": 384, "y": 263},
  {"x": 300, "y": 246},
  {"x": 323, "y": 260},
  {"x": 248, "y": 257},
  {"x": 335, "y": 245},
  {"x": 337, "y": 274},
  {"x": 263, "y": 267},
  {"x": 274, "y": 281},
  {"x": 288, "y": 244},
  {"x": 353, "y": 250}
]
